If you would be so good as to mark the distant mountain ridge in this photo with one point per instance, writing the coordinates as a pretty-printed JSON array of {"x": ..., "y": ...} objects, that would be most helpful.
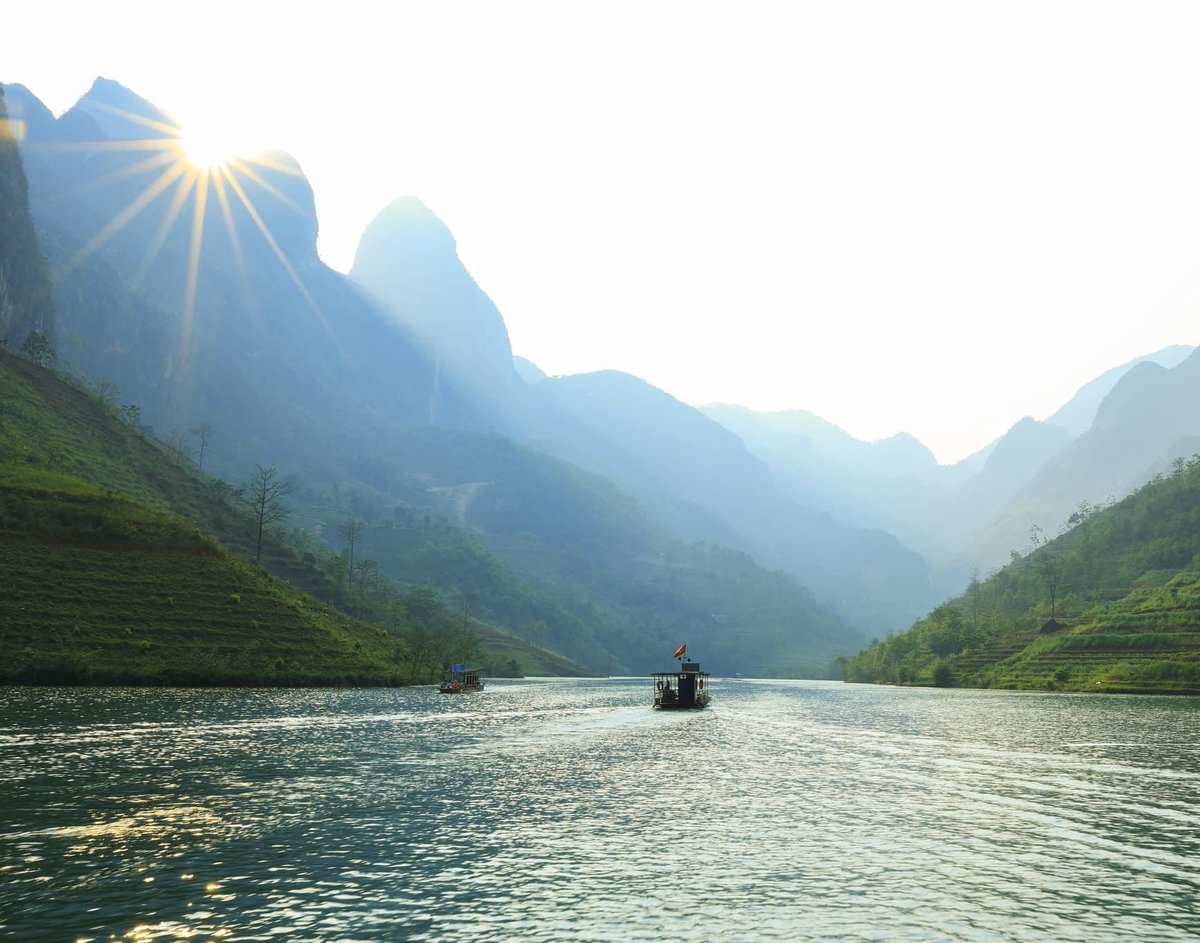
[
  {"x": 1078, "y": 413},
  {"x": 972, "y": 513}
]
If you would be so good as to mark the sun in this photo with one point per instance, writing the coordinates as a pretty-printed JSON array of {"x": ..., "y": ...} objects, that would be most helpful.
[
  {"x": 207, "y": 151},
  {"x": 212, "y": 143}
]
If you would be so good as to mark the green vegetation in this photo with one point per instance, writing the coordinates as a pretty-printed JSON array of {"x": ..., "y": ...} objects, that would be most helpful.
[
  {"x": 112, "y": 574},
  {"x": 1112, "y": 604},
  {"x": 102, "y": 588}
]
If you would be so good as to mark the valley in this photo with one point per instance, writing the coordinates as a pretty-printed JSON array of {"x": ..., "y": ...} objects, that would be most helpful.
[{"x": 574, "y": 523}]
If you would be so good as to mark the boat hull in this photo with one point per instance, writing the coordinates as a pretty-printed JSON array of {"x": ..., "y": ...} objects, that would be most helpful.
[{"x": 681, "y": 707}]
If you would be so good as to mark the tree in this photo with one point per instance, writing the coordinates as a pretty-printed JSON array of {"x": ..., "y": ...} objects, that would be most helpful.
[
  {"x": 107, "y": 392},
  {"x": 1082, "y": 513},
  {"x": 204, "y": 434},
  {"x": 178, "y": 445},
  {"x": 38, "y": 349},
  {"x": 351, "y": 530},
  {"x": 1051, "y": 570},
  {"x": 263, "y": 493},
  {"x": 944, "y": 631},
  {"x": 1035, "y": 537},
  {"x": 368, "y": 577},
  {"x": 8, "y": 311}
]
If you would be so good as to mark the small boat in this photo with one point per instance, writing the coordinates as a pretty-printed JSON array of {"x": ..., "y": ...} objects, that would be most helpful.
[
  {"x": 685, "y": 689},
  {"x": 462, "y": 680}
]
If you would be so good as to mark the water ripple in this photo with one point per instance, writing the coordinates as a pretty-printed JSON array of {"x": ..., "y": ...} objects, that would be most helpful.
[{"x": 568, "y": 811}]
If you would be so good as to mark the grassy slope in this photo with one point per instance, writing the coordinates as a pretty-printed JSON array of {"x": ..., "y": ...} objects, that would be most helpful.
[
  {"x": 105, "y": 576},
  {"x": 1126, "y": 617},
  {"x": 104, "y": 589}
]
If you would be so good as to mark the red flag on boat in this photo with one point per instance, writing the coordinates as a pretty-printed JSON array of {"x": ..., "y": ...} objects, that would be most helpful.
[{"x": 680, "y": 650}]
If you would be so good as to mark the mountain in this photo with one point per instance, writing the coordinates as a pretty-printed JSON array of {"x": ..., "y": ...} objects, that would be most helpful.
[
  {"x": 806, "y": 439},
  {"x": 1146, "y": 421},
  {"x": 107, "y": 553},
  {"x": 1112, "y": 604},
  {"x": 557, "y": 553},
  {"x": 108, "y": 547},
  {"x": 1078, "y": 413},
  {"x": 704, "y": 483},
  {"x": 972, "y": 514},
  {"x": 25, "y": 304},
  {"x": 697, "y": 478},
  {"x": 202, "y": 296},
  {"x": 408, "y": 261}
]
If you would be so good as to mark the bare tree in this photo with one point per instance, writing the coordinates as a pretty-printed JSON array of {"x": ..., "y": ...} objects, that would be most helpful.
[
  {"x": 1051, "y": 571},
  {"x": 973, "y": 588},
  {"x": 8, "y": 310},
  {"x": 351, "y": 530},
  {"x": 178, "y": 444},
  {"x": 263, "y": 493},
  {"x": 203, "y": 434}
]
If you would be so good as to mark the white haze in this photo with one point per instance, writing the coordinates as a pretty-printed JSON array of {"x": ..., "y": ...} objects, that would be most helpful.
[{"x": 932, "y": 217}]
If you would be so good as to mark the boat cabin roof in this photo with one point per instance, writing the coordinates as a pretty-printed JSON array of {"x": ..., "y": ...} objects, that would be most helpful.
[{"x": 687, "y": 668}]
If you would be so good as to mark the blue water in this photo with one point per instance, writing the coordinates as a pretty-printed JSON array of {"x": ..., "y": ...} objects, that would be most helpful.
[{"x": 568, "y": 810}]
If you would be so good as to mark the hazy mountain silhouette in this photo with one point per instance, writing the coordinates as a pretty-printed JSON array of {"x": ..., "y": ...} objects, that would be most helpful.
[
  {"x": 260, "y": 333},
  {"x": 407, "y": 259},
  {"x": 808, "y": 438},
  {"x": 696, "y": 475},
  {"x": 1148, "y": 419},
  {"x": 1078, "y": 414},
  {"x": 701, "y": 478},
  {"x": 25, "y": 304},
  {"x": 974, "y": 512}
]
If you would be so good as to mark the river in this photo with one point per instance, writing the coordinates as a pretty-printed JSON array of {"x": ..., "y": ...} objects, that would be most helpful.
[{"x": 567, "y": 810}]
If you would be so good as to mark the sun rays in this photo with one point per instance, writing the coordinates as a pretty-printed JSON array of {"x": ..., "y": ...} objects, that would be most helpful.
[{"x": 182, "y": 187}]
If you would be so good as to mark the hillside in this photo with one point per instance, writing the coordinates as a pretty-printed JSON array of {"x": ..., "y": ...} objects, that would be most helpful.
[
  {"x": 555, "y": 554},
  {"x": 1113, "y": 604},
  {"x": 113, "y": 576},
  {"x": 106, "y": 583}
]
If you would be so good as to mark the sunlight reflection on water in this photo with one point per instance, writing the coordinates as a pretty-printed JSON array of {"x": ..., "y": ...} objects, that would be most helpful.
[{"x": 568, "y": 810}]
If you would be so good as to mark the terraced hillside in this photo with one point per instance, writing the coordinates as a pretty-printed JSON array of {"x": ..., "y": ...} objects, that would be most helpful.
[
  {"x": 1148, "y": 641},
  {"x": 99, "y": 588},
  {"x": 1113, "y": 604}
]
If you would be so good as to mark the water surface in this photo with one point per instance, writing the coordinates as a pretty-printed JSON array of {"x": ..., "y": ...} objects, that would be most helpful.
[{"x": 569, "y": 811}]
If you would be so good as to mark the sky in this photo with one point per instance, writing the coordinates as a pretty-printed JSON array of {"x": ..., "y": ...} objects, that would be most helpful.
[{"x": 902, "y": 216}]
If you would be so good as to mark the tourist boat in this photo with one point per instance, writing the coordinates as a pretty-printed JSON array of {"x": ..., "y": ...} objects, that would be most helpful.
[
  {"x": 686, "y": 688},
  {"x": 462, "y": 680}
]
